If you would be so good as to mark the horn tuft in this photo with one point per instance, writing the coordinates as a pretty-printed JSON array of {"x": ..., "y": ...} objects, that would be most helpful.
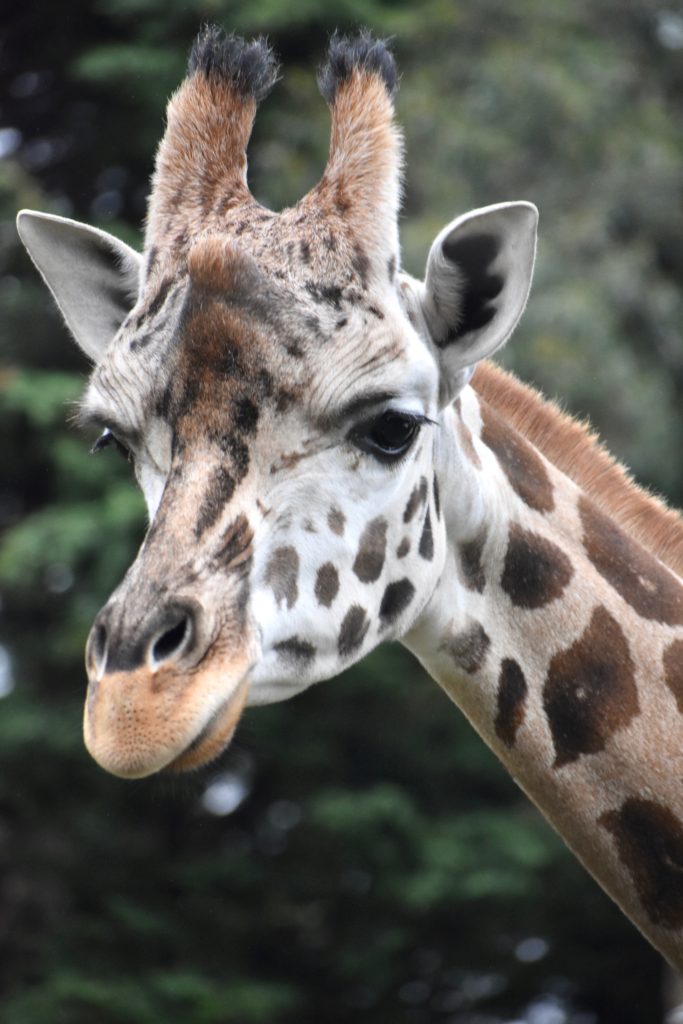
[
  {"x": 251, "y": 66},
  {"x": 363, "y": 52}
]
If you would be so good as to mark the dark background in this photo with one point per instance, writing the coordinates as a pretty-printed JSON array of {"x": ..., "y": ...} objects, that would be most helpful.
[{"x": 357, "y": 855}]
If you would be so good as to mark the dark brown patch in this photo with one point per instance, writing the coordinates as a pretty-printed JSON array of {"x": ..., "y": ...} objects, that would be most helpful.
[
  {"x": 520, "y": 462},
  {"x": 336, "y": 520},
  {"x": 391, "y": 267},
  {"x": 309, "y": 527},
  {"x": 236, "y": 544},
  {"x": 326, "y": 584},
  {"x": 403, "y": 548},
  {"x": 353, "y": 630},
  {"x": 512, "y": 692},
  {"x": 305, "y": 252},
  {"x": 376, "y": 312},
  {"x": 360, "y": 263},
  {"x": 635, "y": 574},
  {"x": 296, "y": 649},
  {"x": 536, "y": 571},
  {"x": 590, "y": 691},
  {"x": 468, "y": 649},
  {"x": 372, "y": 548},
  {"x": 417, "y": 498},
  {"x": 673, "y": 671},
  {"x": 341, "y": 322},
  {"x": 246, "y": 415},
  {"x": 465, "y": 437},
  {"x": 330, "y": 242},
  {"x": 470, "y": 561},
  {"x": 219, "y": 492},
  {"x": 395, "y": 600},
  {"x": 426, "y": 547},
  {"x": 281, "y": 575},
  {"x": 649, "y": 841},
  {"x": 437, "y": 497}
]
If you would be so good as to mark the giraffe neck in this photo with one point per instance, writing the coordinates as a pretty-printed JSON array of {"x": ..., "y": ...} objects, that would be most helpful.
[{"x": 561, "y": 638}]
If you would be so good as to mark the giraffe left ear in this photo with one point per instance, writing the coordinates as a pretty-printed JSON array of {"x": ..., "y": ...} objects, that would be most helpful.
[{"x": 476, "y": 286}]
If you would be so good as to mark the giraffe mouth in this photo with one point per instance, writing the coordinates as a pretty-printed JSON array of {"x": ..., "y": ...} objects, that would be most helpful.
[{"x": 215, "y": 735}]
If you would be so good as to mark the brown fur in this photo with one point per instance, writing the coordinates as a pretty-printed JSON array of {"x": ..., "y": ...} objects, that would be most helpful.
[{"x": 575, "y": 450}]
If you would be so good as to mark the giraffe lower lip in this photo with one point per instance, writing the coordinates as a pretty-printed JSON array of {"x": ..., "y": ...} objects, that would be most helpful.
[{"x": 214, "y": 737}]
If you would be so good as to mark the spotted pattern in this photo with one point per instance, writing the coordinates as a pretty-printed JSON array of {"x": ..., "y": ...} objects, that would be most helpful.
[
  {"x": 417, "y": 498},
  {"x": 511, "y": 701},
  {"x": 282, "y": 574},
  {"x": 371, "y": 553},
  {"x": 336, "y": 520},
  {"x": 217, "y": 495},
  {"x": 296, "y": 649},
  {"x": 673, "y": 671},
  {"x": 649, "y": 841},
  {"x": 353, "y": 629},
  {"x": 520, "y": 462},
  {"x": 470, "y": 553},
  {"x": 536, "y": 571},
  {"x": 236, "y": 546},
  {"x": 395, "y": 599},
  {"x": 468, "y": 649},
  {"x": 637, "y": 576},
  {"x": 326, "y": 584},
  {"x": 426, "y": 547},
  {"x": 590, "y": 691},
  {"x": 404, "y": 548}
]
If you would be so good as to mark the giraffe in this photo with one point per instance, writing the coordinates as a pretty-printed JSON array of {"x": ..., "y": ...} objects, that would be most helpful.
[{"x": 329, "y": 460}]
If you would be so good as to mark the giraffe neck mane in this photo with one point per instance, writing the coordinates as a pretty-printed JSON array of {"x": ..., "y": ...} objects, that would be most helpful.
[{"x": 575, "y": 450}]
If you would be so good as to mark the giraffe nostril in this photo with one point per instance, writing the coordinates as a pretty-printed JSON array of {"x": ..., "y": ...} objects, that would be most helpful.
[
  {"x": 171, "y": 641},
  {"x": 97, "y": 652}
]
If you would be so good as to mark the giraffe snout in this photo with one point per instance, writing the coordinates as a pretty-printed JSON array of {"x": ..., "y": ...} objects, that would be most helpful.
[
  {"x": 164, "y": 691},
  {"x": 174, "y": 635}
]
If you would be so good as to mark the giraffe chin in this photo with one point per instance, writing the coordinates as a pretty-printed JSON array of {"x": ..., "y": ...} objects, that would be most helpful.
[
  {"x": 132, "y": 735},
  {"x": 215, "y": 736}
]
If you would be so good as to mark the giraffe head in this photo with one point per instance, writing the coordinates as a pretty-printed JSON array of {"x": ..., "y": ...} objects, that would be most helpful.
[{"x": 279, "y": 386}]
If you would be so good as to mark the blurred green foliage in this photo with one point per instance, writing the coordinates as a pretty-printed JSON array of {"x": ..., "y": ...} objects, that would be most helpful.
[{"x": 371, "y": 861}]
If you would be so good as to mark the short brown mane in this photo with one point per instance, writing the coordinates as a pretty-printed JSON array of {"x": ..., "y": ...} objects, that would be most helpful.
[{"x": 576, "y": 451}]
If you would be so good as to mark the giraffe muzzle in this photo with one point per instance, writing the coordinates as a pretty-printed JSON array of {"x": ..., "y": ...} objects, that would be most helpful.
[{"x": 162, "y": 692}]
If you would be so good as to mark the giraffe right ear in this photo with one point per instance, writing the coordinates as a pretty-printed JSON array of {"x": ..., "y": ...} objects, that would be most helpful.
[
  {"x": 93, "y": 276},
  {"x": 476, "y": 286}
]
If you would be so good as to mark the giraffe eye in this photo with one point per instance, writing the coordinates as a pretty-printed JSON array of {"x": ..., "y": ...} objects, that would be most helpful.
[
  {"x": 387, "y": 436},
  {"x": 106, "y": 439}
]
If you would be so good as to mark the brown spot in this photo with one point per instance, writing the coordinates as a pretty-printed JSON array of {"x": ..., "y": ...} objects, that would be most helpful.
[
  {"x": 336, "y": 520},
  {"x": 649, "y": 841},
  {"x": 326, "y": 584},
  {"x": 417, "y": 498},
  {"x": 309, "y": 526},
  {"x": 246, "y": 415},
  {"x": 673, "y": 671},
  {"x": 219, "y": 492},
  {"x": 391, "y": 267},
  {"x": 512, "y": 692},
  {"x": 236, "y": 544},
  {"x": 437, "y": 497},
  {"x": 296, "y": 649},
  {"x": 372, "y": 547},
  {"x": 470, "y": 561},
  {"x": 305, "y": 252},
  {"x": 536, "y": 571},
  {"x": 353, "y": 630},
  {"x": 465, "y": 437},
  {"x": 395, "y": 600},
  {"x": 520, "y": 462},
  {"x": 376, "y": 312},
  {"x": 403, "y": 548},
  {"x": 468, "y": 649},
  {"x": 590, "y": 691},
  {"x": 426, "y": 547},
  {"x": 281, "y": 575},
  {"x": 635, "y": 574}
]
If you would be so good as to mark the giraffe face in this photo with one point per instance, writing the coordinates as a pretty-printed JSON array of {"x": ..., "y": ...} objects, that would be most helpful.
[
  {"x": 295, "y": 520},
  {"x": 279, "y": 387}
]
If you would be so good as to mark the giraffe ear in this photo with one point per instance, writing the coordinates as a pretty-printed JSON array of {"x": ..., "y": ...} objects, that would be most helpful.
[
  {"x": 476, "y": 286},
  {"x": 93, "y": 277}
]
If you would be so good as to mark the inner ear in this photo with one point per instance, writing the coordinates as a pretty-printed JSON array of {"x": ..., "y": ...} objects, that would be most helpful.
[
  {"x": 472, "y": 258},
  {"x": 477, "y": 282}
]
